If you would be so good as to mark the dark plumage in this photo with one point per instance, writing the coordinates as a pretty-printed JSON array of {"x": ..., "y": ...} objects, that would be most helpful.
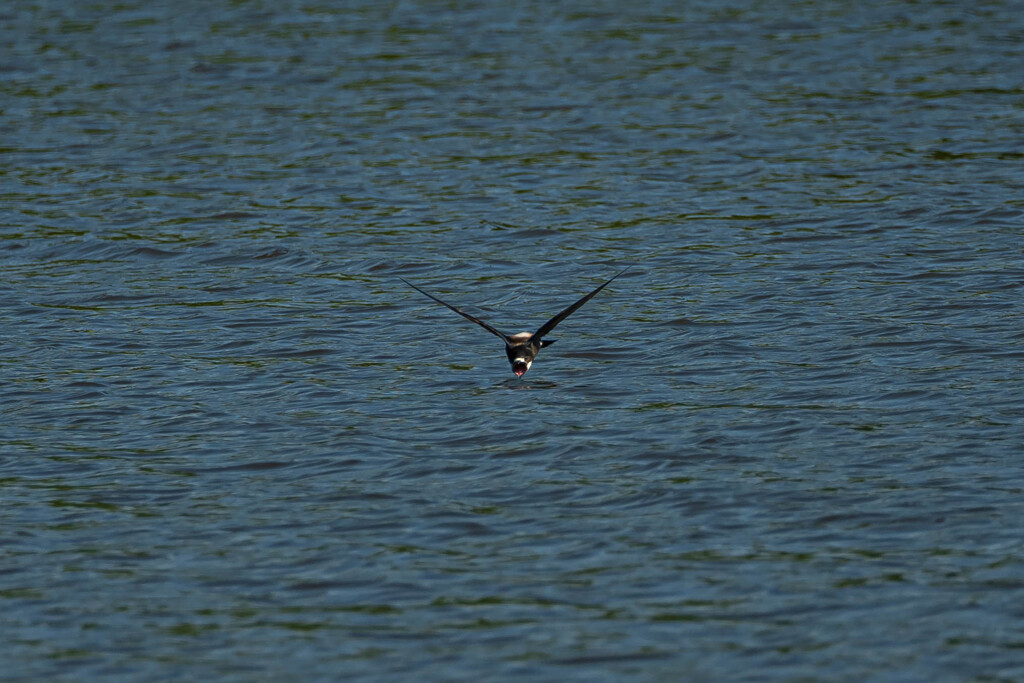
[{"x": 523, "y": 347}]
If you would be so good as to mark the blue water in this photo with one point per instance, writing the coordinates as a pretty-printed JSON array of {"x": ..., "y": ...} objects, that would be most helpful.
[{"x": 785, "y": 445}]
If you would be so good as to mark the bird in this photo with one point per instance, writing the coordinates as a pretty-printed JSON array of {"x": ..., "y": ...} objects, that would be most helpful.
[{"x": 522, "y": 348}]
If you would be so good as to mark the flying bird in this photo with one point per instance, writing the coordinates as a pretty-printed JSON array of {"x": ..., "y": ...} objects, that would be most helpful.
[{"x": 523, "y": 347}]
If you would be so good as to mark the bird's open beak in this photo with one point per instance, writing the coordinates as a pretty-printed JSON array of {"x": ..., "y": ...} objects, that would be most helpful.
[{"x": 520, "y": 367}]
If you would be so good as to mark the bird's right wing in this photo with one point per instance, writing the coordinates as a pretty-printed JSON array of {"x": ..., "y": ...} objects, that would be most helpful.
[{"x": 465, "y": 315}]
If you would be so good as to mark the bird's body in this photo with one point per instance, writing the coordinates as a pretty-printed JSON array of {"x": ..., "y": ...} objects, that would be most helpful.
[{"x": 523, "y": 347}]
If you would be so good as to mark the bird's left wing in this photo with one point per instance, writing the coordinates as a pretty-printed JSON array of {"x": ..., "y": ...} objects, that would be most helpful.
[{"x": 550, "y": 325}]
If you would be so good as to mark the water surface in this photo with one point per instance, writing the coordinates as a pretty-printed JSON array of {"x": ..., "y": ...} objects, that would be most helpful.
[{"x": 784, "y": 445}]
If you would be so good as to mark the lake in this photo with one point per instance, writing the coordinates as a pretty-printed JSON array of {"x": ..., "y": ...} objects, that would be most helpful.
[{"x": 784, "y": 445}]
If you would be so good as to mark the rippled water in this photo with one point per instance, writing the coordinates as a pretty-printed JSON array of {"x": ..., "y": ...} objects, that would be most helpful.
[{"x": 785, "y": 445}]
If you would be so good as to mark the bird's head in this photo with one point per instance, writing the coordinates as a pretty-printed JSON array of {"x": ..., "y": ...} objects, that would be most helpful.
[
  {"x": 521, "y": 352},
  {"x": 520, "y": 366}
]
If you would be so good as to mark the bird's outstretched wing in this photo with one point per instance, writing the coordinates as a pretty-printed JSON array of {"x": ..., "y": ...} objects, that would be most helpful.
[
  {"x": 465, "y": 315},
  {"x": 550, "y": 325}
]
